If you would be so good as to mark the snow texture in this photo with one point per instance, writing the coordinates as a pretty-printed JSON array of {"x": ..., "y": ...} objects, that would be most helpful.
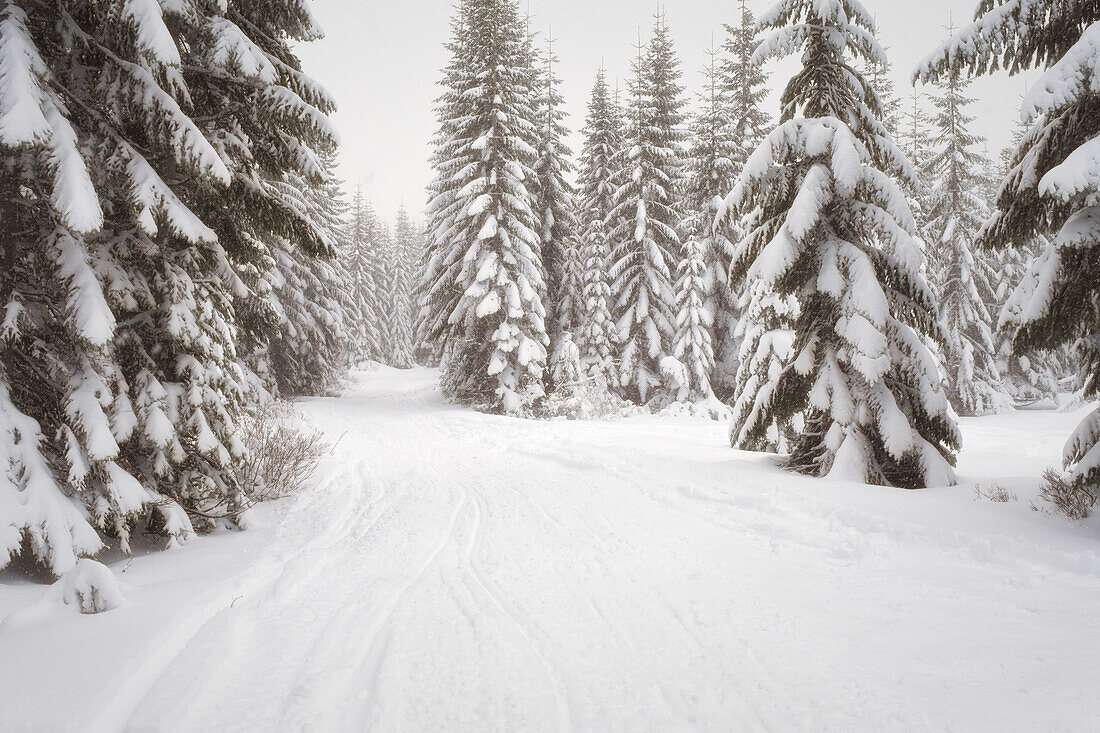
[{"x": 629, "y": 574}]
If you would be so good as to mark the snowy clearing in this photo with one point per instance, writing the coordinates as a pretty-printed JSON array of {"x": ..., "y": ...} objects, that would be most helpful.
[{"x": 458, "y": 571}]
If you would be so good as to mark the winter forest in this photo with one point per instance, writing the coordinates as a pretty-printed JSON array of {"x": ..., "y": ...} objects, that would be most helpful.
[{"x": 753, "y": 396}]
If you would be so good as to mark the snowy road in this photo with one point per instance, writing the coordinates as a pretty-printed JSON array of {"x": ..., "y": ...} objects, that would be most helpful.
[{"x": 456, "y": 571}]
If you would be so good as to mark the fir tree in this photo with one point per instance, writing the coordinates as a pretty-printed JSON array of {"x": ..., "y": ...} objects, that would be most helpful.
[
  {"x": 596, "y": 335},
  {"x": 1031, "y": 377},
  {"x": 743, "y": 90},
  {"x": 954, "y": 211},
  {"x": 243, "y": 74},
  {"x": 1034, "y": 376},
  {"x": 646, "y": 247},
  {"x": 1053, "y": 187},
  {"x": 916, "y": 141},
  {"x": 828, "y": 225},
  {"x": 427, "y": 352},
  {"x": 484, "y": 280}
]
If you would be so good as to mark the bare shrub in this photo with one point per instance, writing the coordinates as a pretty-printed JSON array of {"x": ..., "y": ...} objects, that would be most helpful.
[
  {"x": 994, "y": 492},
  {"x": 1068, "y": 497},
  {"x": 282, "y": 456}
]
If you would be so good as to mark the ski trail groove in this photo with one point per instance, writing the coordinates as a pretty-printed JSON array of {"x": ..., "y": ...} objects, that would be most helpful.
[
  {"x": 554, "y": 679},
  {"x": 371, "y": 657},
  {"x": 459, "y": 571}
]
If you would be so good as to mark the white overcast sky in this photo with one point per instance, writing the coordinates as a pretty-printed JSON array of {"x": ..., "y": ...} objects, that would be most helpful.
[{"x": 382, "y": 61}]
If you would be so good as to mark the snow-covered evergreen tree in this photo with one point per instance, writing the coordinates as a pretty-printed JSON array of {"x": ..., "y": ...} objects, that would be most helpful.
[
  {"x": 828, "y": 225},
  {"x": 692, "y": 344},
  {"x": 267, "y": 120},
  {"x": 707, "y": 246},
  {"x": 400, "y": 277},
  {"x": 484, "y": 280},
  {"x": 646, "y": 247},
  {"x": 1038, "y": 375},
  {"x": 767, "y": 333},
  {"x": 954, "y": 212},
  {"x": 554, "y": 199},
  {"x": 310, "y": 297},
  {"x": 916, "y": 138},
  {"x": 745, "y": 85},
  {"x": 426, "y": 352},
  {"x": 366, "y": 279},
  {"x": 1054, "y": 185},
  {"x": 130, "y": 135},
  {"x": 743, "y": 91},
  {"x": 878, "y": 72},
  {"x": 1034, "y": 376},
  {"x": 596, "y": 334}
]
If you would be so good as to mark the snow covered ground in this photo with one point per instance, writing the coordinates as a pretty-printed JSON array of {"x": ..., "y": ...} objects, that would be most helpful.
[{"x": 458, "y": 571}]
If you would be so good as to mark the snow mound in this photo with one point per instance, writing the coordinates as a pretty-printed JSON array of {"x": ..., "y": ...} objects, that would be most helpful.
[
  {"x": 89, "y": 587},
  {"x": 711, "y": 408}
]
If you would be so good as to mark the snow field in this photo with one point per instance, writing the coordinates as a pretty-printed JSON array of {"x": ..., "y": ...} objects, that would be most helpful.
[{"x": 458, "y": 571}]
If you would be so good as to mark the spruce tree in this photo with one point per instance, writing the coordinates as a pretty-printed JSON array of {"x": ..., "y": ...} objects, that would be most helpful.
[
  {"x": 365, "y": 279},
  {"x": 692, "y": 345},
  {"x": 878, "y": 72},
  {"x": 745, "y": 85},
  {"x": 141, "y": 157},
  {"x": 310, "y": 296},
  {"x": 426, "y": 351},
  {"x": 954, "y": 212},
  {"x": 916, "y": 137},
  {"x": 646, "y": 247},
  {"x": 1034, "y": 376},
  {"x": 400, "y": 332},
  {"x": 707, "y": 246},
  {"x": 767, "y": 333},
  {"x": 484, "y": 281},
  {"x": 828, "y": 225},
  {"x": 555, "y": 206},
  {"x": 268, "y": 121},
  {"x": 245, "y": 79},
  {"x": 1052, "y": 187},
  {"x": 596, "y": 335},
  {"x": 743, "y": 90}
]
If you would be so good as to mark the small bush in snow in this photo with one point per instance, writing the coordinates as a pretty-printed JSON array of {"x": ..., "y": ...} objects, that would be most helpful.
[
  {"x": 586, "y": 398},
  {"x": 994, "y": 492},
  {"x": 282, "y": 456},
  {"x": 1068, "y": 497}
]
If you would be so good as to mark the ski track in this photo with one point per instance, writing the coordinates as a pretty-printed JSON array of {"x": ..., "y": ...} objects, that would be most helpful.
[{"x": 458, "y": 571}]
